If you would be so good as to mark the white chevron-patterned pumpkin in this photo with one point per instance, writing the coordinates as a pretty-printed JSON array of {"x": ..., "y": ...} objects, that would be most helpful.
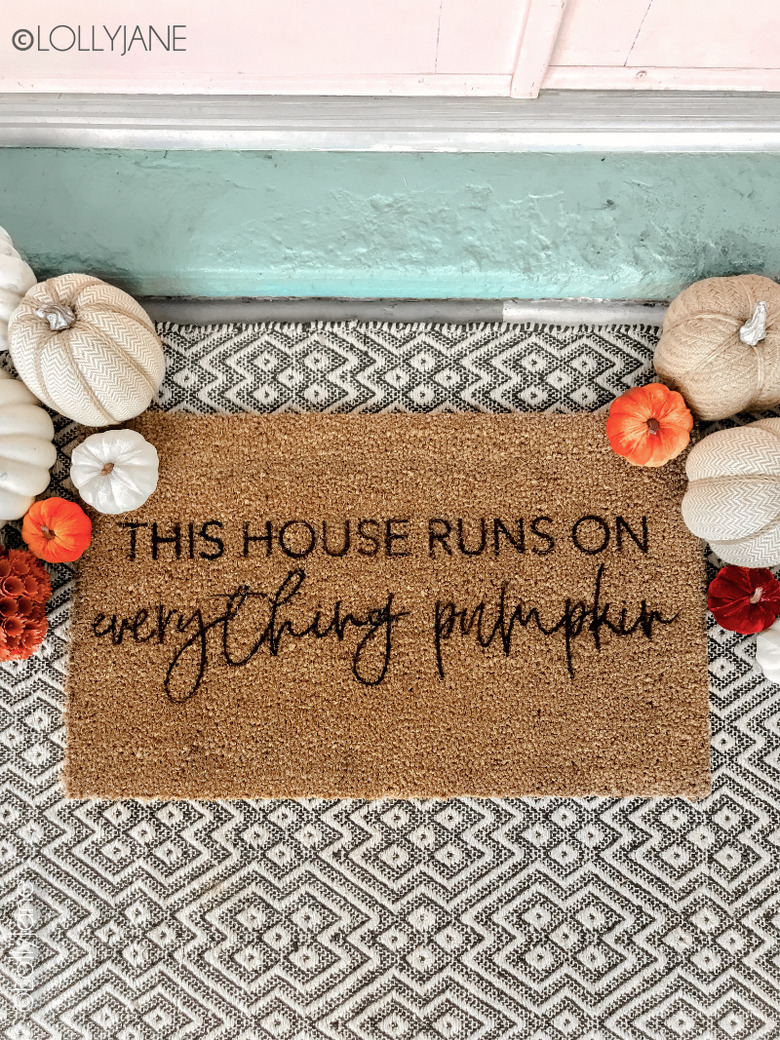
[
  {"x": 15, "y": 279},
  {"x": 26, "y": 450},
  {"x": 86, "y": 349},
  {"x": 733, "y": 496}
]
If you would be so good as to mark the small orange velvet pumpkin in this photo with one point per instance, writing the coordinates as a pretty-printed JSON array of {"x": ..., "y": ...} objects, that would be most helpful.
[
  {"x": 649, "y": 425},
  {"x": 56, "y": 530}
]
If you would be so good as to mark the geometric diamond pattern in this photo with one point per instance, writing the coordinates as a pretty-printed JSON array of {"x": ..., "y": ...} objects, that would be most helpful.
[{"x": 519, "y": 919}]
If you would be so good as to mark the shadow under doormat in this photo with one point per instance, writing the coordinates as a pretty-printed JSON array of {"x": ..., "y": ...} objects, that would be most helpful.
[{"x": 391, "y": 605}]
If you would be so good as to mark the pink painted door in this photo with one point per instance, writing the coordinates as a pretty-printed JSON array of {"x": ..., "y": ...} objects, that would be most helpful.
[
  {"x": 263, "y": 46},
  {"x": 671, "y": 44},
  {"x": 388, "y": 47}
]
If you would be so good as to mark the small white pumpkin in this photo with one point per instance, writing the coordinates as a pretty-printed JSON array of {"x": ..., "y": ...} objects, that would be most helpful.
[
  {"x": 768, "y": 652},
  {"x": 115, "y": 471},
  {"x": 86, "y": 349},
  {"x": 15, "y": 279},
  {"x": 733, "y": 496},
  {"x": 26, "y": 450}
]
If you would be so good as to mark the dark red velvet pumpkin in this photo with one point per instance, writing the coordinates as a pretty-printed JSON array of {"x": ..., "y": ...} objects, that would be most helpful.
[{"x": 744, "y": 599}]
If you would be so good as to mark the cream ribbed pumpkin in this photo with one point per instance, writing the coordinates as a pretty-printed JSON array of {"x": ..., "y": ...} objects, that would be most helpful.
[
  {"x": 720, "y": 345},
  {"x": 733, "y": 496},
  {"x": 26, "y": 450},
  {"x": 15, "y": 279},
  {"x": 86, "y": 349},
  {"x": 768, "y": 652}
]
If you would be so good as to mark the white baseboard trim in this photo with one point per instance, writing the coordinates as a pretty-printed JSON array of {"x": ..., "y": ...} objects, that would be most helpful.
[
  {"x": 245, "y": 310},
  {"x": 558, "y": 121},
  {"x": 585, "y": 312}
]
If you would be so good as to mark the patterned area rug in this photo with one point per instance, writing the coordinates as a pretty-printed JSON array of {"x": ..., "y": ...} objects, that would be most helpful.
[{"x": 540, "y": 919}]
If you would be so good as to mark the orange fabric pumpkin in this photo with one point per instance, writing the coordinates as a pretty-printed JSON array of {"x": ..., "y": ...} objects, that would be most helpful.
[
  {"x": 649, "y": 425},
  {"x": 57, "y": 530}
]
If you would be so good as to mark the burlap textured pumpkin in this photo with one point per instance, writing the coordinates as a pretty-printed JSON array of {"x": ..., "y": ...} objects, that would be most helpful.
[
  {"x": 720, "y": 345},
  {"x": 733, "y": 496},
  {"x": 86, "y": 349}
]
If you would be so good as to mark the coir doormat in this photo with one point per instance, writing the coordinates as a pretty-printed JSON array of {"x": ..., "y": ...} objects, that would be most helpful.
[{"x": 391, "y": 605}]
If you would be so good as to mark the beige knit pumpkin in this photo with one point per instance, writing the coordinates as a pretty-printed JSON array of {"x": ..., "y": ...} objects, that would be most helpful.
[
  {"x": 733, "y": 496},
  {"x": 720, "y": 345},
  {"x": 86, "y": 349}
]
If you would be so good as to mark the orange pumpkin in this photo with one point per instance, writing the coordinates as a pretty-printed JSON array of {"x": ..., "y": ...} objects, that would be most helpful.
[
  {"x": 57, "y": 530},
  {"x": 649, "y": 425}
]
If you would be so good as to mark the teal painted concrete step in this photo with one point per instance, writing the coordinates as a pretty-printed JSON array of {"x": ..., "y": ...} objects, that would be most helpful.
[{"x": 392, "y": 225}]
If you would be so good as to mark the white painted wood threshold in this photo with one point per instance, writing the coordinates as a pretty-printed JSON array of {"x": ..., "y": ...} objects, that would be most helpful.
[
  {"x": 557, "y": 121},
  {"x": 248, "y": 310}
]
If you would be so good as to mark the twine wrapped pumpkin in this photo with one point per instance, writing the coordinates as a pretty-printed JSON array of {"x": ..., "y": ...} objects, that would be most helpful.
[
  {"x": 86, "y": 349},
  {"x": 720, "y": 345},
  {"x": 733, "y": 496}
]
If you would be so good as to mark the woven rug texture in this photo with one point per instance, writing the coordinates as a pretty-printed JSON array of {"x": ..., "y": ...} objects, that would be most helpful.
[{"x": 475, "y": 919}]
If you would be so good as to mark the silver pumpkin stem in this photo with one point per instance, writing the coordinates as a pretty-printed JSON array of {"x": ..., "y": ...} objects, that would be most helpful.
[
  {"x": 58, "y": 315},
  {"x": 754, "y": 330}
]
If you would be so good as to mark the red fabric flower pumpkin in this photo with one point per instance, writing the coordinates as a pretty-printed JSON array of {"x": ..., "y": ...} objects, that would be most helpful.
[
  {"x": 649, "y": 425},
  {"x": 744, "y": 599},
  {"x": 24, "y": 590},
  {"x": 57, "y": 530}
]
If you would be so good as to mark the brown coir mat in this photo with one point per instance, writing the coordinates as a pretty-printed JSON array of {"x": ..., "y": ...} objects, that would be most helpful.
[{"x": 391, "y": 605}]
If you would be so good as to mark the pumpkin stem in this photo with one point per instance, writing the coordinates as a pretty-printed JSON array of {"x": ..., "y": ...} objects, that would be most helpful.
[
  {"x": 58, "y": 315},
  {"x": 754, "y": 330},
  {"x": 756, "y": 596},
  {"x": 652, "y": 425},
  {"x": 106, "y": 469},
  {"x": 47, "y": 532}
]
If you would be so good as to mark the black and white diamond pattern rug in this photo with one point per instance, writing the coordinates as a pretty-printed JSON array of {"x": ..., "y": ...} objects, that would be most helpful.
[{"x": 469, "y": 919}]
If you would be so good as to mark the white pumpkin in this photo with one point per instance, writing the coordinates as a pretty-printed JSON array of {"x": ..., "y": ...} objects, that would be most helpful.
[
  {"x": 115, "y": 471},
  {"x": 87, "y": 349},
  {"x": 15, "y": 279},
  {"x": 733, "y": 496},
  {"x": 768, "y": 652},
  {"x": 26, "y": 450}
]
